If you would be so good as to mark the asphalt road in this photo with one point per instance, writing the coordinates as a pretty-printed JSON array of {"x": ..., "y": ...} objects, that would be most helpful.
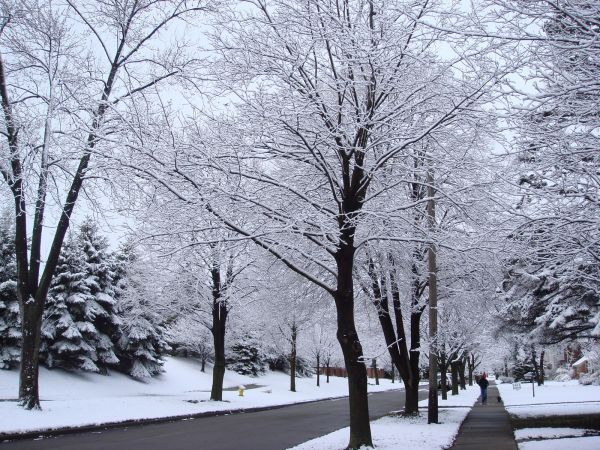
[{"x": 274, "y": 429}]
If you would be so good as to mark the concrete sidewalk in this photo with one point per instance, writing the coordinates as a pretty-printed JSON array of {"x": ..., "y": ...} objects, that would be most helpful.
[{"x": 487, "y": 427}]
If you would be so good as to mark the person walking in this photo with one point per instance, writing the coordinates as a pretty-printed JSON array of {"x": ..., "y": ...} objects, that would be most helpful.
[{"x": 483, "y": 384}]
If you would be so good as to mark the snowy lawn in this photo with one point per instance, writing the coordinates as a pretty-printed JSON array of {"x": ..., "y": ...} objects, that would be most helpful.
[
  {"x": 579, "y": 443},
  {"x": 553, "y": 399},
  {"x": 78, "y": 399},
  {"x": 393, "y": 432}
]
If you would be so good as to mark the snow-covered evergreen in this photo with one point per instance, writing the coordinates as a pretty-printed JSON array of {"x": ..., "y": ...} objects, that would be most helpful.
[
  {"x": 99, "y": 279},
  {"x": 68, "y": 332},
  {"x": 81, "y": 321},
  {"x": 246, "y": 356},
  {"x": 552, "y": 286},
  {"x": 142, "y": 340},
  {"x": 552, "y": 302},
  {"x": 10, "y": 326},
  {"x": 98, "y": 314}
]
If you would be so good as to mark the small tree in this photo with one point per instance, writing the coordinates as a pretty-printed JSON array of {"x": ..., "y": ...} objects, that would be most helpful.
[
  {"x": 187, "y": 339},
  {"x": 321, "y": 347},
  {"x": 247, "y": 356}
]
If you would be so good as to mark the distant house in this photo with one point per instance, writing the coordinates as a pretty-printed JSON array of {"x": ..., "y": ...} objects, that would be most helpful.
[
  {"x": 580, "y": 366},
  {"x": 562, "y": 355}
]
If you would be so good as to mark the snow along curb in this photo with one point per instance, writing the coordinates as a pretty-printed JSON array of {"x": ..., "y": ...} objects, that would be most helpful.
[{"x": 50, "y": 432}]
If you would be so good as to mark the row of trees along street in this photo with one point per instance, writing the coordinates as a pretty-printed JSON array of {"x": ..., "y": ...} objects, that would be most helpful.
[{"x": 389, "y": 161}]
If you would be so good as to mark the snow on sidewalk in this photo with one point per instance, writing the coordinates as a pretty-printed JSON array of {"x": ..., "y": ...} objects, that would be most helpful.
[
  {"x": 393, "y": 432},
  {"x": 79, "y": 399}
]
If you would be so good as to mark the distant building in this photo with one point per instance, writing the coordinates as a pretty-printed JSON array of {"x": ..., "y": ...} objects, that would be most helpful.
[
  {"x": 580, "y": 366},
  {"x": 562, "y": 355}
]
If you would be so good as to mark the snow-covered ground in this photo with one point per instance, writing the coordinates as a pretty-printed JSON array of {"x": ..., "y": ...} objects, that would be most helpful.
[
  {"x": 557, "y": 438},
  {"x": 78, "y": 399},
  {"x": 391, "y": 433},
  {"x": 553, "y": 399}
]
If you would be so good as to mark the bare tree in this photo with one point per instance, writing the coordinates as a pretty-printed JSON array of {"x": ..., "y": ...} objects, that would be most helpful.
[
  {"x": 321, "y": 347},
  {"x": 295, "y": 308},
  {"x": 206, "y": 285}
]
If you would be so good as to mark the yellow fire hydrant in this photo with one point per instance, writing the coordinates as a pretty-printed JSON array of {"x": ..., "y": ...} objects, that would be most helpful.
[{"x": 241, "y": 390}]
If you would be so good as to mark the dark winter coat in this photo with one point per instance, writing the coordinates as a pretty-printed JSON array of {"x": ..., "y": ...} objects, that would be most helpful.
[{"x": 483, "y": 383}]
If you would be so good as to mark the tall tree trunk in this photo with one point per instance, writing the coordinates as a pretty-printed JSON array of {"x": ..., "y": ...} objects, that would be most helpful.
[
  {"x": 327, "y": 368},
  {"x": 432, "y": 414},
  {"x": 203, "y": 367},
  {"x": 412, "y": 393},
  {"x": 471, "y": 367},
  {"x": 444, "y": 382},
  {"x": 411, "y": 405},
  {"x": 443, "y": 365},
  {"x": 360, "y": 428},
  {"x": 542, "y": 373},
  {"x": 454, "y": 370},
  {"x": 538, "y": 367},
  {"x": 392, "y": 372},
  {"x": 216, "y": 392},
  {"x": 318, "y": 370},
  {"x": 219, "y": 320},
  {"x": 30, "y": 345},
  {"x": 461, "y": 373},
  {"x": 293, "y": 359},
  {"x": 375, "y": 372}
]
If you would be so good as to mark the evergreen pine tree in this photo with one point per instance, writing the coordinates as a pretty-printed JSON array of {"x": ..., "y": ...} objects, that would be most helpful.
[
  {"x": 10, "y": 326},
  {"x": 552, "y": 285},
  {"x": 68, "y": 332},
  {"x": 247, "y": 356},
  {"x": 100, "y": 281},
  {"x": 142, "y": 341}
]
